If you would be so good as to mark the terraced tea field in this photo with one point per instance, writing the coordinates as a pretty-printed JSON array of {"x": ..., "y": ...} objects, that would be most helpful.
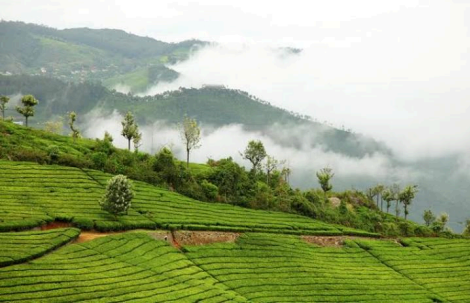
[
  {"x": 134, "y": 267},
  {"x": 130, "y": 266},
  {"x": 21, "y": 247},
  {"x": 264, "y": 268},
  {"x": 441, "y": 265},
  {"x": 32, "y": 194}
]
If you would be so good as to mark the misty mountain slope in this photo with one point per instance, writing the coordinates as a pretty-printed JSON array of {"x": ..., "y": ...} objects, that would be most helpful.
[
  {"x": 89, "y": 54},
  {"x": 211, "y": 106}
]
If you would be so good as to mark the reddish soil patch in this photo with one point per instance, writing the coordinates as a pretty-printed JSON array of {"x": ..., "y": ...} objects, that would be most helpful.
[
  {"x": 54, "y": 225},
  {"x": 204, "y": 237},
  {"x": 86, "y": 236}
]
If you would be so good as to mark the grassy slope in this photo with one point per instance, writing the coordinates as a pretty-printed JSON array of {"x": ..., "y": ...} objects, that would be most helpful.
[
  {"x": 33, "y": 194},
  {"x": 257, "y": 268}
]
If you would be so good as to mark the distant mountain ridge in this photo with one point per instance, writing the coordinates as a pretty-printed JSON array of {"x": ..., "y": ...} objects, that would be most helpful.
[{"x": 78, "y": 54}]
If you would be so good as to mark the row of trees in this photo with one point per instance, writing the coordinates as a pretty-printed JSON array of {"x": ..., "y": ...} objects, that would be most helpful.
[
  {"x": 189, "y": 130},
  {"x": 392, "y": 194},
  {"x": 27, "y": 110}
]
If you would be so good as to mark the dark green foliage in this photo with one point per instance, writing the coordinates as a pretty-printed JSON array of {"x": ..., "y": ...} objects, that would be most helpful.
[{"x": 210, "y": 190}]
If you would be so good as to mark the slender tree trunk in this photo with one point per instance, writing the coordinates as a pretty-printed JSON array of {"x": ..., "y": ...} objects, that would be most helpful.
[
  {"x": 26, "y": 121},
  {"x": 406, "y": 210},
  {"x": 3, "y": 114},
  {"x": 129, "y": 144},
  {"x": 187, "y": 157},
  {"x": 377, "y": 200},
  {"x": 388, "y": 207}
]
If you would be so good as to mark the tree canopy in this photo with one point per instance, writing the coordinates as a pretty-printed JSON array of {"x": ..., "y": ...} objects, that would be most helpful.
[{"x": 255, "y": 153}]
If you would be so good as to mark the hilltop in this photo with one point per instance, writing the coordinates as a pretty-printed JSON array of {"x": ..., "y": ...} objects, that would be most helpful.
[{"x": 78, "y": 54}]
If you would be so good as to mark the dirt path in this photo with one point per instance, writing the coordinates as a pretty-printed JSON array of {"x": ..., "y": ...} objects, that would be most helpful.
[{"x": 181, "y": 238}]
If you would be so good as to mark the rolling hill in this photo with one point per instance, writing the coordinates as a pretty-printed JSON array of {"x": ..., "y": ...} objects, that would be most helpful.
[{"x": 112, "y": 56}]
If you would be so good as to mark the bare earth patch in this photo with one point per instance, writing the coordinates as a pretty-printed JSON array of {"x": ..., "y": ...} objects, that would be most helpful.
[
  {"x": 86, "y": 236},
  {"x": 204, "y": 237}
]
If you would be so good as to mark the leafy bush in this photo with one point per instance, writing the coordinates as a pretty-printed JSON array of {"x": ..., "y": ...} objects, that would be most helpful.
[{"x": 118, "y": 196}]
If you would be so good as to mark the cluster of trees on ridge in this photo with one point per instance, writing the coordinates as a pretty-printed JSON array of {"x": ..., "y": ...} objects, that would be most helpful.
[{"x": 264, "y": 186}]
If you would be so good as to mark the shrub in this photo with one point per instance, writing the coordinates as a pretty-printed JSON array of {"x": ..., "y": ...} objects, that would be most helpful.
[
  {"x": 99, "y": 160},
  {"x": 118, "y": 196},
  {"x": 53, "y": 152}
]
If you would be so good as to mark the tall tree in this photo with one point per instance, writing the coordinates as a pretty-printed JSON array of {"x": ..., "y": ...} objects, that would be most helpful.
[
  {"x": 28, "y": 107},
  {"x": 324, "y": 176},
  {"x": 407, "y": 195},
  {"x": 3, "y": 101},
  {"x": 255, "y": 153},
  {"x": 388, "y": 197},
  {"x": 270, "y": 165},
  {"x": 191, "y": 136},
  {"x": 75, "y": 132},
  {"x": 130, "y": 129}
]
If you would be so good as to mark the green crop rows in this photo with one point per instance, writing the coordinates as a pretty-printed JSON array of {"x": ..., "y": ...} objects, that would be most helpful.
[
  {"x": 20, "y": 247},
  {"x": 32, "y": 194},
  {"x": 267, "y": 268},
  {"x": 440, "y": 265},
  {"x": 130, "y": 266},
  {"x": 135, "y": 267}
]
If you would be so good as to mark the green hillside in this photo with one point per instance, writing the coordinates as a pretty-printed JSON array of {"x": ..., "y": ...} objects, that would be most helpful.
[
  {"x": 79, "y": 54},
  {"x": 32, "y": 195},
  {"x": 134, "y": 267},
  {"x": 221, "y": 180}
]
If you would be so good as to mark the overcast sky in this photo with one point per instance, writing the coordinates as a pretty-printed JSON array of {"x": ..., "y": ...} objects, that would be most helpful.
[{"x": 396, "y": 70}]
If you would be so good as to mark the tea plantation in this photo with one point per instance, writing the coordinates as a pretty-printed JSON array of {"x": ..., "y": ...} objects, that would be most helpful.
[
  {"x": 17, "y": 248},
  {"x": 135, "y": 267},
  {"x": 269, "y": 262},
  {"x": 33, "y": 194}
]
